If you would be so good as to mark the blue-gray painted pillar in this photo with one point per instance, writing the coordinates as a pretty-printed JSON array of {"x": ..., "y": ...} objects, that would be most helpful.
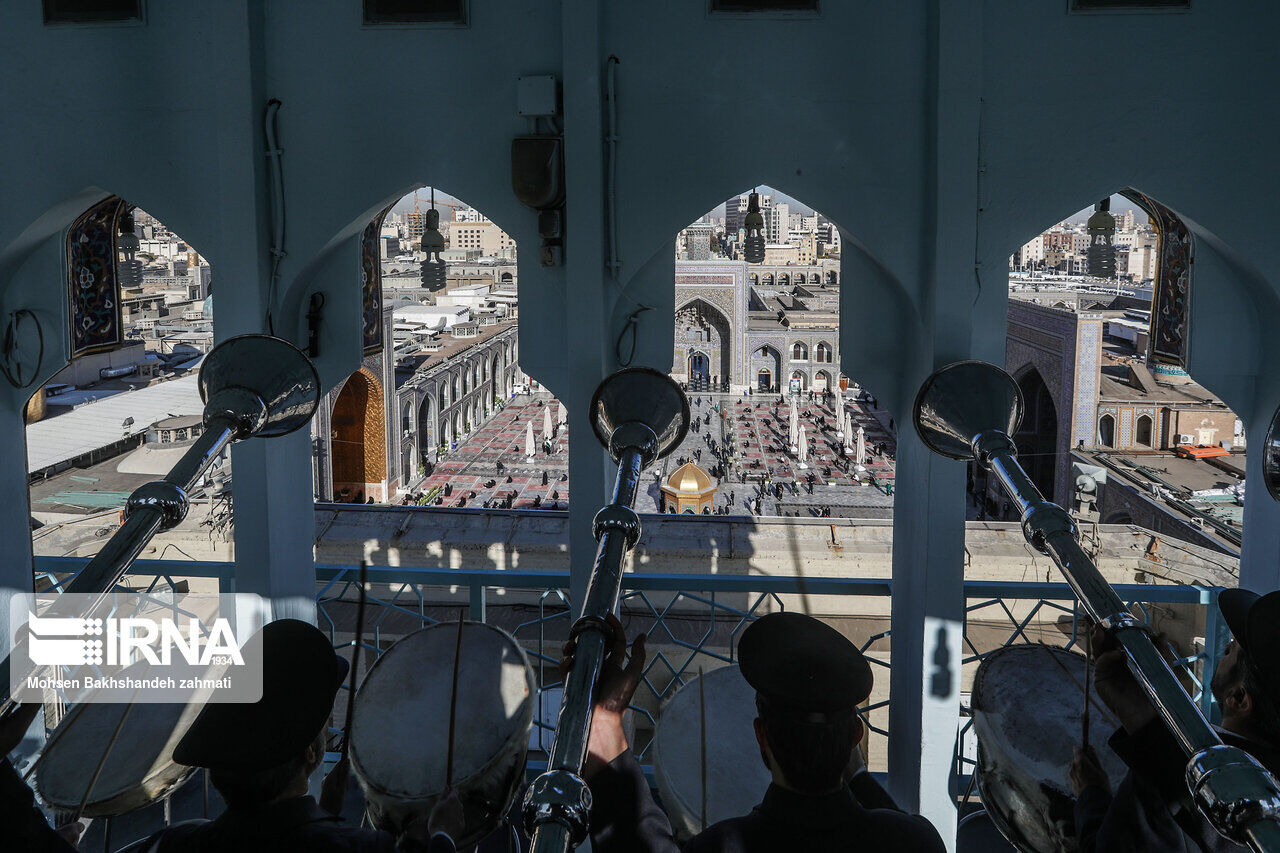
[
  {"x": 928, "y": 627},
  {"x": 1260, "y": 551},
  {"x": 589, "y": 468},
  {"x": 15, "y": 535},
  {"x": 928, "y": 547},
  {"x": 15, "y": 526},
  {"x": 275, "y": 523},
  {"x": 271, "y": 478}
]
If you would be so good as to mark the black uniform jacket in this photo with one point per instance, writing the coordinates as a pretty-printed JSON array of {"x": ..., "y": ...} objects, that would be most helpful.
[
  {"x": 22, "y": 825},
  {"x": 1151, "y": 809},
  {"x": 625, "y": 819},
  {"x": 298, "y": 824}
]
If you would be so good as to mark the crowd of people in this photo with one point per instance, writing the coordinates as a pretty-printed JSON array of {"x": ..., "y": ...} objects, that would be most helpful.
[{"x": 747, "y": 443}]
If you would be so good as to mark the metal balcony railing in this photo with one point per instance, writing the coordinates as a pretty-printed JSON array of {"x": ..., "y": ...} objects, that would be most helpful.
[{"x": 694, "y": 621}]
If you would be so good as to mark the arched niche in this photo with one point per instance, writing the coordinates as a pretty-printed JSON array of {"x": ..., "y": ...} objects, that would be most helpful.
[{"x": 359, "y": 439}]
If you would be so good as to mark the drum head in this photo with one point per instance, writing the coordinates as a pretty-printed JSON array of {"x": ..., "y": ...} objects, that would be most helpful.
[
  {"x": 400, "y": 727},
  {"x": 977, "y": 833},
  {"x": 1028, "y": 702},
  {"x": 736, "y": 777},
  {"x": 139, "y": 770}
]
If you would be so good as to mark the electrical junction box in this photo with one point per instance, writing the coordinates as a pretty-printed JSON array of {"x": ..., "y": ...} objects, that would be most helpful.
[{"x": 536, "y": 96}]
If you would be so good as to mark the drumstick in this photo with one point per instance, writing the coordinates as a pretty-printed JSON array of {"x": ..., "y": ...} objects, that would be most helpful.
[
  {"x": 1106, "y": 712},
  {"x": 453, "y": 706},
  {"x": 702, "y": 736},
  {"x": 334, "y": 791},
  {"x": 1088, "y": 677},
  {"x": 355, "y": 659},
  {"x": 102, "y": 762}
]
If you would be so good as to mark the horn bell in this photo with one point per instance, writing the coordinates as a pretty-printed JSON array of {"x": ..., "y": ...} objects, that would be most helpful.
[
  {"x": 271, "y": 368},
  {"x": 962, "y": 400},
  {"x": 641, "y": 395},
  {"x": 1271, "y": 457}
]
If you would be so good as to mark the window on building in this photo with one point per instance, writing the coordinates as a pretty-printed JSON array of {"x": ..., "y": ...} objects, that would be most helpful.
[
  {"x": 1142, "y": 433},
  {"x": 799, "y": 352},
  {"x": 415, "y": 11},
  {"x": 1106, "y": 431},
  {"x": 91, "y": 11}
]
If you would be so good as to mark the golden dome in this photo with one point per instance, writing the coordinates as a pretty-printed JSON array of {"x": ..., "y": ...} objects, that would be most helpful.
[{"x": 689, "y": 479}]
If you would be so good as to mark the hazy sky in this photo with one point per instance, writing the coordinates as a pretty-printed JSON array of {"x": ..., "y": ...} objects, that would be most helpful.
[
  {"x": 1118, "y": 203},
  {"x": 405, "y": 205},
  {"x": 796, "y": 206}
]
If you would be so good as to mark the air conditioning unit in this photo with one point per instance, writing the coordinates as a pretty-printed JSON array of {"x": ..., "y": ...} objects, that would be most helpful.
[{"x": 1183, "y": 438}]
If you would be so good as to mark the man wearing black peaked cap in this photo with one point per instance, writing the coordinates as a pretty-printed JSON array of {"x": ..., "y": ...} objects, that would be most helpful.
[
  {"x": 259, "y": 757},
  {"x": 809, "y": 680},
  {"x": 1152, "y": 808}
]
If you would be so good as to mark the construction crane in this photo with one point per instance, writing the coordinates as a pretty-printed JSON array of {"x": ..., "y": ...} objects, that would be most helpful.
[{"x": 438, "y": 204}]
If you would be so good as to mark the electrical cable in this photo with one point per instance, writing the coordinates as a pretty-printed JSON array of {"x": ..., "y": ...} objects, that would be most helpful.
[
  {"x": 9, "y": 362},
  {"x": 632, "y": 321},
  {"x": 274, "y": 152}
]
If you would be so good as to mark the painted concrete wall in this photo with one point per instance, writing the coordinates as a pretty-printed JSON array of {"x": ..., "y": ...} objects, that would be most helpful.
[{"x": 939, "y": 134}]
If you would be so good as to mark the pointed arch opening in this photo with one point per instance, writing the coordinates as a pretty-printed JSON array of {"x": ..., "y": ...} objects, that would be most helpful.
[
  {"x": 1099, "y": 305},
  {"x": 1037, "y": 436},
  {"x": 137, "y": 299},
  {"x": 359, "y": 440}
]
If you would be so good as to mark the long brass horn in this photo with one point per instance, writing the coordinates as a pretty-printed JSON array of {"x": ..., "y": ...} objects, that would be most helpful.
[
  {"x": 251, "y": 385},
  {"x": 639, "y": 415},
  {"x": 1271, "y": 457},
  {"x": 968, "y": 410}
]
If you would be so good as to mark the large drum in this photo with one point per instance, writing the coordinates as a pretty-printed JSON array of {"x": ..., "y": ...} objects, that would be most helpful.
[
  {"x": 139, "y": 770},
  {"x": 1028, "y": 702},
  {"x": 399, "y": 738},
  {"x": 736, "y": 777}
]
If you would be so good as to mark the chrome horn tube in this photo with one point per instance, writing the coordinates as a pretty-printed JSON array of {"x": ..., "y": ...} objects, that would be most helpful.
[
  {"x": 251, "y": 385},
  {"x": 968, "y": 411},
  {"x": 639, "y": 415}
]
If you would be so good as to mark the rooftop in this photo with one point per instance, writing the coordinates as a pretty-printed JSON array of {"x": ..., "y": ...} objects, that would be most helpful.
[
  {"x": 449, "y": 348},
  {"x": 95, "y": 425}
]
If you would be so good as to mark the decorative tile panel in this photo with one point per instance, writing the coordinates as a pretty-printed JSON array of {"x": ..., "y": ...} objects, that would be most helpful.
[
  {"x": 91, "y": 279},
  {"x": 1169, "y": 303},
  {"x": 371, "y": 284}
]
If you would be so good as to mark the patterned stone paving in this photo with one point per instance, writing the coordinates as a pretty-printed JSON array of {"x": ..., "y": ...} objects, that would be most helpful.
[
  {"x": 495, "y": 454},
  {"x": 490, "y": 467},
  {"x": 757, "y": 428}
]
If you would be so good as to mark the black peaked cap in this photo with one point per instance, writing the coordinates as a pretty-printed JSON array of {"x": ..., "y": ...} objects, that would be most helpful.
[
  {"x": 801, "y": 664},
  {"x": 301, "y": 673},
  {"x": 1254, "y": 621}
]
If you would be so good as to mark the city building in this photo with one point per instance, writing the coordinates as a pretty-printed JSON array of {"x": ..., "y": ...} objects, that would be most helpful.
[
  {"x": 757, "y": 326},
  {"x": 696, "y": 240},
  {"x": 479, "y": 235},
  {"x": 1095, "y": 395}
]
